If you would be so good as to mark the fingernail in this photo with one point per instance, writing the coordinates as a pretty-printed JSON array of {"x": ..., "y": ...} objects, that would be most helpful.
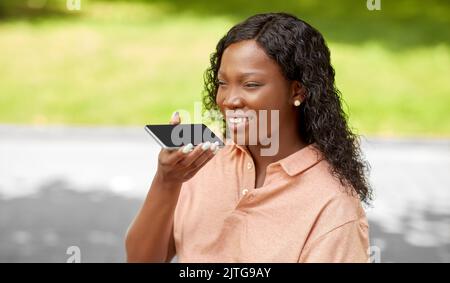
[
  {"x": 187, "y": 148},
  {"x": 175, "y": 114},
  {"x": 213, "y": 147},
  {"x": 206, "y": 145},
  {"x": 217, "y": 150}
]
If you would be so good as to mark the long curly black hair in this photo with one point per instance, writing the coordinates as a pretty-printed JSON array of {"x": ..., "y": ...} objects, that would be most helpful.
[{"x": 301, "y": 52}]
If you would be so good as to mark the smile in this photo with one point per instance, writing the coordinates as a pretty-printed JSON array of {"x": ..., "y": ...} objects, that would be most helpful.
[{"x": 237, "y": 120}]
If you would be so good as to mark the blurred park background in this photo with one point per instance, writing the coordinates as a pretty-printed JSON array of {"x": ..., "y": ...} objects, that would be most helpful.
[{"x": 77, "y": 86}]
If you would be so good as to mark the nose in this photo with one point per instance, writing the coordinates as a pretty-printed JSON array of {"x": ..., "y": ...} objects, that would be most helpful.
[{"x": 233, "y": 100}]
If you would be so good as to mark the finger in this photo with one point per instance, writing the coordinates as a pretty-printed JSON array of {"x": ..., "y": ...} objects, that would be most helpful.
[
  {"x": 174, "y": 156},
  {"x": 175, "y": 119},
  {"x": 203, "y": 159},
  {"x": 214, "y": 147},
  {"x": 196, "y": 153},
  {"x": 171, "y": 156}
]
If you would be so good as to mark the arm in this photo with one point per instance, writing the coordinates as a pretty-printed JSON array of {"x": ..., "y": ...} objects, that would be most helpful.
[{"x": 150, "y": 236}]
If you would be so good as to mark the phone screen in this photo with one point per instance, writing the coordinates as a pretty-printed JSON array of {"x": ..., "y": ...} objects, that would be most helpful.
[{"x": 175, "y": 136}]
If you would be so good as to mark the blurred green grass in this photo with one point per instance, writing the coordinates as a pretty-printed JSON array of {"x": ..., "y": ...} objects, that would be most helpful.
[{"x": 132, "y": 63}]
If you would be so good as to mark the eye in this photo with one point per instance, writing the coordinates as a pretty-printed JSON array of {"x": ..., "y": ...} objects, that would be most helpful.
[
  {"x": 252, "y": 85},
  {"x": 221, "y": 83}
]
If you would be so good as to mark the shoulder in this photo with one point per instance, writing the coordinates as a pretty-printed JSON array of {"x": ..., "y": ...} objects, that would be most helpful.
[{"x": 335, "y": 204}]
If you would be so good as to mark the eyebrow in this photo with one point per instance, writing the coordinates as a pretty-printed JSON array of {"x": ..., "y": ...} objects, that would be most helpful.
[{"x": 243, "y": 75}]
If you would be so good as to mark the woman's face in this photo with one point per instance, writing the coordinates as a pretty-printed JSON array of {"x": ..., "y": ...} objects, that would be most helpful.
[{"x": 250, "y": 81}]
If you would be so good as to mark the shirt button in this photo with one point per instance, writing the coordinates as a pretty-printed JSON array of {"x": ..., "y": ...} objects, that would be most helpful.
[
  {"x": 249, "y": 165},
  {"x": 244, "y": 191}
]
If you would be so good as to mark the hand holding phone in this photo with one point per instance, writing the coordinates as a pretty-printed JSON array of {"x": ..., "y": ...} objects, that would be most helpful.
[{"x": 177, "y": 163}]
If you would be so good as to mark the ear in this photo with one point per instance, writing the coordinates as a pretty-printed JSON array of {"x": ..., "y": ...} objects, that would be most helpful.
[{"x": 298, "y": 91}]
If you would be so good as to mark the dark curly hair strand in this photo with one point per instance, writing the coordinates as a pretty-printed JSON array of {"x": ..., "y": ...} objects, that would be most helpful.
[{"x": 301, "y": 52}]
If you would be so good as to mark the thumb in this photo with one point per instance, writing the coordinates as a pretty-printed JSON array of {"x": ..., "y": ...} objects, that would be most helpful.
[{"x": 175, "y": 118}]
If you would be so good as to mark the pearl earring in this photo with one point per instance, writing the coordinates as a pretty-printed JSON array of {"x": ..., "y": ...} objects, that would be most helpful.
[{"x": 297, "y": 102}]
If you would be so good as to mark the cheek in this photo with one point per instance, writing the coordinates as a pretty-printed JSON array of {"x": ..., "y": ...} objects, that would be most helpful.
[
  {"x": 219, "y": 99},
  {"x": 269, "y": 99},
  {"x": 220, "y": 94},
  {"x": 219, "y": 103},
  {"x": 277, "y": 106}
]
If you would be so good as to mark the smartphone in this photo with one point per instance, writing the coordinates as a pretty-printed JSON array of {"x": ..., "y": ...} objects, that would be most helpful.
[{"x": 176, "y": 136}]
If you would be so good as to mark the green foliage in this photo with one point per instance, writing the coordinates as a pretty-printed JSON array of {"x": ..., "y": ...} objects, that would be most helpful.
[{"x": 135, "y": 62}]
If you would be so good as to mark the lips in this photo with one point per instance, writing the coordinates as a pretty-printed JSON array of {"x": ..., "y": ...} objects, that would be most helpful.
[{"x": 237, "y": 120}]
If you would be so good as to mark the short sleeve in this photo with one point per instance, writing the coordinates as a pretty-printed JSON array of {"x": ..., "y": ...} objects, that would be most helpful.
[{"x": 346, "y": 243}]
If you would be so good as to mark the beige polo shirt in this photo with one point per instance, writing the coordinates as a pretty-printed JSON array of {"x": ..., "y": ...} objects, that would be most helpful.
[{"x": 300, "y": 214}]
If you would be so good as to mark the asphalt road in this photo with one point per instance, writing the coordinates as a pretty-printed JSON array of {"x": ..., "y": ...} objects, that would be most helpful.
[{"x": 410, "y": 217}]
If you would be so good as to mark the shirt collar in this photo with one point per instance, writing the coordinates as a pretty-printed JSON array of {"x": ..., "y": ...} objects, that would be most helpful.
[
  {"x": 301, "y": 160},
  {"x": 297, "y": 162}
]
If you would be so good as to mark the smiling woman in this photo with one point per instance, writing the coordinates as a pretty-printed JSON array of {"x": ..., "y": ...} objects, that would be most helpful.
[
  {"x": 294, "y": 57},
  {"x": 299, "y": 204}
]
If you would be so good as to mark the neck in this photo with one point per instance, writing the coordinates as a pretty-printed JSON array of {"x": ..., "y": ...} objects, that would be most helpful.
[{"x": 287, "y": 146}]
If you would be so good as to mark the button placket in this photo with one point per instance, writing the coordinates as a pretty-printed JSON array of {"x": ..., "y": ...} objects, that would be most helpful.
[
  {"x": 251, "y": 174},
  {"x": 248, "y": 182}
]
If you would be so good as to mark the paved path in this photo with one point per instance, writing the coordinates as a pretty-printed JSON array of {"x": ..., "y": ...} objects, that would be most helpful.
[{"x": 411, "y": 177}]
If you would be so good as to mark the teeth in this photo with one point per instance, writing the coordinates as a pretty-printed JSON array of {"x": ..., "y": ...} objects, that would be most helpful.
[{"x": 237, "y": 120}]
